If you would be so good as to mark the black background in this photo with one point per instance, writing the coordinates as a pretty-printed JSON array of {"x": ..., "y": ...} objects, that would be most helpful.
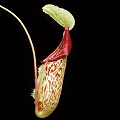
[{"x": 79, "y": 98}]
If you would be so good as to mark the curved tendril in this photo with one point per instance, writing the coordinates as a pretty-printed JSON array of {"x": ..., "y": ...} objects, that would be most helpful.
[{"x": 33, "y": 50}]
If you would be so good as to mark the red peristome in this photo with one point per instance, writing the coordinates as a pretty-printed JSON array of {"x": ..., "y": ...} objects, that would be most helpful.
[{"x": 63, "y": 49}]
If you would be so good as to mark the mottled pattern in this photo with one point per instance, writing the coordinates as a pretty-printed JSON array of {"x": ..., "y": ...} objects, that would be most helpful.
[{"x": 51, "y": 75}]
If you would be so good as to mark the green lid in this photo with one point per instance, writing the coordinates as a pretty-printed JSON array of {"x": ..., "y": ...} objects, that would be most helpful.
[{"x": 60, "y": 15}]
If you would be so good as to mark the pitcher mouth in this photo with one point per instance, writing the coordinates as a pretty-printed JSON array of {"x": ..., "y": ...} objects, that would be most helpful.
[{"x": 63, "y": 49}]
